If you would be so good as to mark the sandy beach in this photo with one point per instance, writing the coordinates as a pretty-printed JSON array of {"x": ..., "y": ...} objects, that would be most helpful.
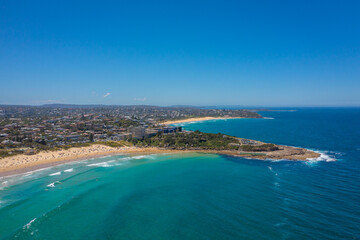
[
  {"x": 24, "y": 163},
  {"x": 198, "y": 119}
]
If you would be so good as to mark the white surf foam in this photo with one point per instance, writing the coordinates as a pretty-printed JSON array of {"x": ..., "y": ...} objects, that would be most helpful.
[
  {"x": 28, "y": 225},
  {"x": 69, "y": 170},
  {"x": 277, "y": 160},
  {"x": 323, "y": 157},
  {"x": 139, "y": 157},
  {"x": 100, "y": 164},
  {"x": 52, "y": 184},
  {"x": 29, "y": 174},
  {"x": 268, "y": 118},
  {"x": 4, "y": 184},
  {"x": 118, "y": 161},
  {"x": 55, "y": 174}
]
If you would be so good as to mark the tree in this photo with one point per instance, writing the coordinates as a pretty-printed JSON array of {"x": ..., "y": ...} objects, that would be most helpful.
[{"x": 43, "y": 142}]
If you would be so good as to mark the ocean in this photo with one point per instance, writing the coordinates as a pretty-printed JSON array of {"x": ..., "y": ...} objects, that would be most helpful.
[{"x": 201, "y": 196}]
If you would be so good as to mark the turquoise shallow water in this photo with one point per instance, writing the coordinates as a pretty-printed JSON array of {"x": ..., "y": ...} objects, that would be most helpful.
[{"x": 201, "y": 196}]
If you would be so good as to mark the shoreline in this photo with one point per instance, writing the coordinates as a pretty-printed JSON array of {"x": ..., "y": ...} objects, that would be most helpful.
[
  {"x": 198, "y": 119},
  {"x": 24, "y": 163},
  {"x": 19, "y": 164}
]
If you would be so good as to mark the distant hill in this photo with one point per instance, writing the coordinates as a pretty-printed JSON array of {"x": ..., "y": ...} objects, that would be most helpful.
[
  {"x": 56, "y": 105},
  {"x": 90, "y": 106}
]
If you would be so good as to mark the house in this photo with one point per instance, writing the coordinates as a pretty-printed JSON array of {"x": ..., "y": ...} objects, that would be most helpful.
[
  {"x": 137, "y": 132},
  {"x": 72, "y": 137}
]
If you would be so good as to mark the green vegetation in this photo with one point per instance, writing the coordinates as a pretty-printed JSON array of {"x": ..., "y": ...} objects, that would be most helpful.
[
  {"x": 190, "y": 140},
  {"x": 126, "y": 123},
  {"x": 260, "y": 148},
  {"x": 8, "y": 153},
  {"x": 87, "y": 144},
  {"x": 203, "y": 141},
  {"x": 252, "y": 154},
  {"x": 72, "y": 145}
]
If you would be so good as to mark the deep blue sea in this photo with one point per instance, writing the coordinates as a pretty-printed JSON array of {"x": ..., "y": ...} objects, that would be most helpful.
[{"x": 201, "y": 196}]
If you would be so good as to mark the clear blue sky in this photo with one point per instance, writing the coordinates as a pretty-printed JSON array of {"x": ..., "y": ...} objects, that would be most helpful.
[{"x": 254, "y": 53}]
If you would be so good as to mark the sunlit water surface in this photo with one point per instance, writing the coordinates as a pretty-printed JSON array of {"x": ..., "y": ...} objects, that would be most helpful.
[{"x": 201, "y": 196}]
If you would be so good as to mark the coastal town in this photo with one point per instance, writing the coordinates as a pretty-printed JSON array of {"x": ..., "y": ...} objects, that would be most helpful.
[{"x": 27, "y": 129}]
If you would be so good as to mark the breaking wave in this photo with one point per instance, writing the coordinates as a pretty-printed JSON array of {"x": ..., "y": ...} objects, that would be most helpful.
[
  {"x": 118, "y": 162},
  {"x": 55, "y": 174},
  {"x": 52, "y": 184},
  {"x": 324, "y": 156},
  {"x": 28, "y": 225},
  {"x": 100, "y": 164},
  {"x": 4, "y": 184},
  {"x": 139, "y": 157}
]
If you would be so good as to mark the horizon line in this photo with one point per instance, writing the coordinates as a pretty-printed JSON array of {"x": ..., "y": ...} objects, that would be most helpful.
[{"x": 181, "y": 105}]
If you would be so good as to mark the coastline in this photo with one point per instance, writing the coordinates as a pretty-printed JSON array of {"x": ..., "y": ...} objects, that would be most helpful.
[
  {"x": 18, "y": 164},
  {"x": 24, "y": 163},
  {"x": 198, "y": 119}
]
